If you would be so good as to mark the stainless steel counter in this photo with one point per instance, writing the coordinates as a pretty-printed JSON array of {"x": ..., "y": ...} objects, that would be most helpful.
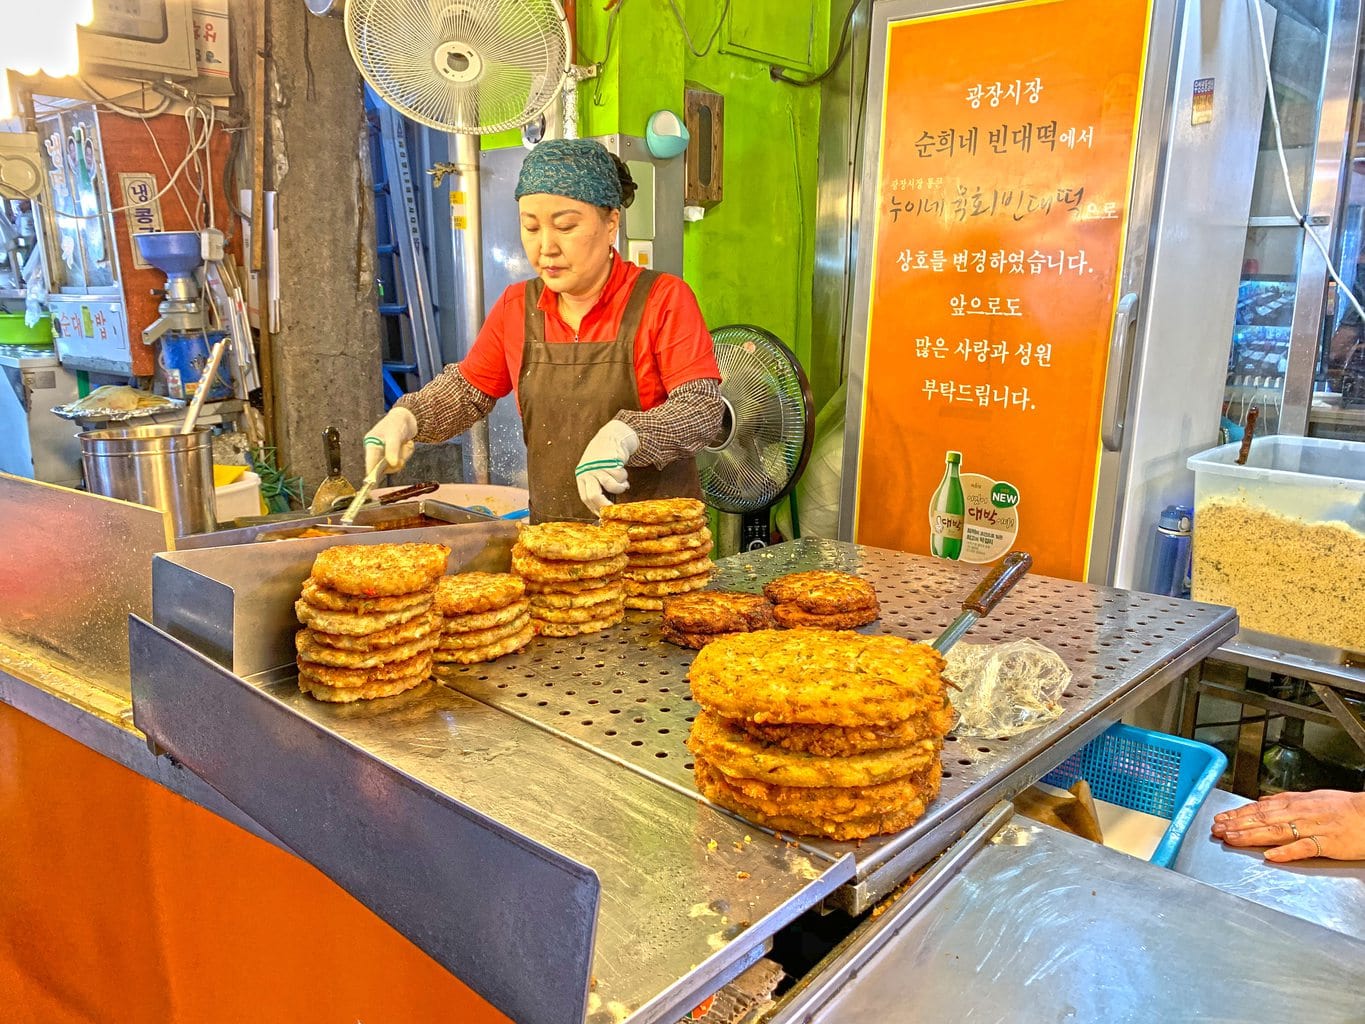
[{"x": 1040, "y": 925}]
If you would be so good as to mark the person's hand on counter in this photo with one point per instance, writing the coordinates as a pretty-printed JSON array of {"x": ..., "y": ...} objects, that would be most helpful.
[
  {"x": 1323, "y": 823},
  {"x": 391, "y": 440}
]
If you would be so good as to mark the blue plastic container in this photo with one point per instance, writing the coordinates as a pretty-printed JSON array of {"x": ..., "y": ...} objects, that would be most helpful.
[{"x": 1150, "y": 772}]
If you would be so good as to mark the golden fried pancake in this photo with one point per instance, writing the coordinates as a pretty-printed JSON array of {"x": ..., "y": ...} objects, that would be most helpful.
[
  {"x": 419, "y": 664},
  {"x": 668, "y": 558},
  {"x": 666, "y": 588},
  {"x": 823, "y": 591},
  {"x": 542, "y": 570},
  {"x": 658, "y": 574},
  {"x": 537, "y": 587},
  {"x": 403, "y": 633},
  {"x": 489, "y": 652},
  {"x": 311, "y": 651},
  {"x": 369, "y": 691},
  {"x": 590, "y": 614},
  {"x": 574, "y": 542},
  {"x": 843, "y": 740},
  {"x": 653, "y": 530},
  {"x": 326, "y": 599},
  {"x": 637, "y": 603},
  {"x": 676, "y": 542},
  {"x": 578, "y": 599},
  {"x": 483, "y": 637},
  {"x": 722, "y": 743},
  {"x": 380, "y": 570},
  {"x": 357, "y": 623},
  {"x": 578, "y": 628},
  {"x": 718, "y": 611},
  {"x": 712, "y": 785},
  {"x": 832, "y": 803},
  {"x": 817, "y": 677},
  {"x": 696, "y": 641},
  {"x": 486, "y": 620},
  {"x": 658, "y": 510},
  {"x": 792, "y": 616},
  {"x": 472, "y": 592}
]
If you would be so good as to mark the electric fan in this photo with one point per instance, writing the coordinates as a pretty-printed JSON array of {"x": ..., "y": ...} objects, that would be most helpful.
[
  {"x": 472, "y": 66},
  {"x": 769, "y": 431}
]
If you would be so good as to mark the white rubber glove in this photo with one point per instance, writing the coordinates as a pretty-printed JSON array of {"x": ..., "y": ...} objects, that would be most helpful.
[
  {"x": 391, "y": 440},
  {"x": 602, "y": 469}
]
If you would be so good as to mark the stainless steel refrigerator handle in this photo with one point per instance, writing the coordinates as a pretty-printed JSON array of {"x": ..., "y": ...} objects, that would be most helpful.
[{"x": 1119, "y": 374}]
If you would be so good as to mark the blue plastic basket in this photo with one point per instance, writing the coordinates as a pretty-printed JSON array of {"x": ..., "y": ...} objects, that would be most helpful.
[{"x": 1147, "y": 771}]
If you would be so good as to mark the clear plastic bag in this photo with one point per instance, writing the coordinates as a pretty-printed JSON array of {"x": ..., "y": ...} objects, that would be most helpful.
[{"x": 1006, "y": 689}]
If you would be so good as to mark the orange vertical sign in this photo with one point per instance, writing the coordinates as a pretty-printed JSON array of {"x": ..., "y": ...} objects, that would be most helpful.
[{"x": 1002, "y": 193}]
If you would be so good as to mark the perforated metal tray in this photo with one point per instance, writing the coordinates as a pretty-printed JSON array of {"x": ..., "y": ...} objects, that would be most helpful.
[{"x": 623, "y": 693}]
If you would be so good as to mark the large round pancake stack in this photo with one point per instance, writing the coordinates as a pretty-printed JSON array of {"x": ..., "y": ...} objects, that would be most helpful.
[
  {"x": 824, "y": 599},
  {"x": 484, "y": 615},
  {"x": 704, "y": 616},
  {"x": 572, "y": 573},
  {"x": 670, "y": 548},
  {"x": 820, "y": 733},
  {"x": 370, "y": 621}
]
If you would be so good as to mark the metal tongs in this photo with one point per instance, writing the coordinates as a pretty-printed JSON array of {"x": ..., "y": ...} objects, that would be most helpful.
[{"x": 982, "y": 601}]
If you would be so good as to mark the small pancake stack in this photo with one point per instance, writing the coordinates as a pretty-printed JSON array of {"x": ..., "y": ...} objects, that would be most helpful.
[
  {"x": 697, "y": 619},
  {"x": 572, "y": 574},
  {"x": 824, "y": 599},
  {"x": 484, "y": 615},
  {"x": 820, "y": 733},
  {"x": 370, "y": 624},
  {"x": 670, "y": 548}
]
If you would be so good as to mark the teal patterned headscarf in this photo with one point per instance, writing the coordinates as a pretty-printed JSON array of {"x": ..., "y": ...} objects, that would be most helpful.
[{"x": 581, "y": 169}]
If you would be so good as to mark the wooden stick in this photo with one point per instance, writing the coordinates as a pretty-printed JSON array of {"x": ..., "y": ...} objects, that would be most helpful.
[
  {"x": 1252, "y": 415},
  {"x": 260, "y": 130}
]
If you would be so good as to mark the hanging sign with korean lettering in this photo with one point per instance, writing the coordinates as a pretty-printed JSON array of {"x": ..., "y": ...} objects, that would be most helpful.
[
  {"x": 142, "y": 207},
  {"x": 1007, "y": 145}
]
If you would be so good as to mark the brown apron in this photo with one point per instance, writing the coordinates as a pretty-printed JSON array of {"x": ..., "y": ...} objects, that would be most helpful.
[{"x": 567, "y": 393}]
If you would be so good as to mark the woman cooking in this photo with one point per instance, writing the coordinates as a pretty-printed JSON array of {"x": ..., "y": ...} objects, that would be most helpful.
[{"x": 612, "y": 365}]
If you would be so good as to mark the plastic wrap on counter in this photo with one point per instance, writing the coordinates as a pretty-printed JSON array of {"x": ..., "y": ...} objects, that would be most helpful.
[{"x": 1007, "y": 688}]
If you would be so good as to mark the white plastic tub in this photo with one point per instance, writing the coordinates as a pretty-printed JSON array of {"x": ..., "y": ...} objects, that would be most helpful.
[
  {"x": 1282, "y": 539},
  {"x": 239, "y": 498}
]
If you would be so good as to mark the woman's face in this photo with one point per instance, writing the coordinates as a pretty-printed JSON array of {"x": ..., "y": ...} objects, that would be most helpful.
[{"x": 567, "y": 241}]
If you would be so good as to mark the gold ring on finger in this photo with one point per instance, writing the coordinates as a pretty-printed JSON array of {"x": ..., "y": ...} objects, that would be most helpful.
[
  {"x": 1294, "y": 829},
  {"x": 1316, "y": 845}
]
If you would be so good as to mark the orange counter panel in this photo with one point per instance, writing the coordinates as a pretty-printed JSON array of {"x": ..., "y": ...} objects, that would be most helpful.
[{"x": 122, "y": 901}]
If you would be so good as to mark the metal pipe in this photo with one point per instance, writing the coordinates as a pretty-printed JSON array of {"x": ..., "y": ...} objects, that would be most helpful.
[{"x": 466, "y": 235}]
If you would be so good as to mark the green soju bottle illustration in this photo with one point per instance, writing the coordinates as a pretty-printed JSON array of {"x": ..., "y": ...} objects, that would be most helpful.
[{"x": 946, "y": 512}]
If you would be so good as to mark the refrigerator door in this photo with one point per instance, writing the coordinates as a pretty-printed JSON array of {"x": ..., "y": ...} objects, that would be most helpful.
[
  {"x": 1179, "y": 351},
  {"x": 1002, "y": 250}
]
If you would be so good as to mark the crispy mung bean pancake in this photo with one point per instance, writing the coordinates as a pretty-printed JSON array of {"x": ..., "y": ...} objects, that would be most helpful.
[
  {"x": 334, "y": 676},
  {"x": 561, "y": 629},
  {"x": 636, "y": 603},
  {"x": 403, "y": 633},
  {"x": 574, "y": 542},
  {"x": 658, "y": 574},
  {"x": 817, "y": 677},
  {"x": 369, "y": 691},
  {"x": 489, "y": 652},
  {"x": 793, "y": 616},
  {"x": 668, "y": 558},
  {"x": 654, "y": 511},
  {"x": 590, "y": 614},
  {"x": 696, "y": 641},
  {"x": 712, "y": 785},
  {"x": 530, "y": 567},
  {"x": 846, "y": 740},
  {"x": 483, "y": 637},
  {"x": 675, "y": 542},
  {"x": 536, "y": 587},
  {"x": 486, "y": 620},
  {"x": 718, "y": 611},
  {"x": 356, "y": 623},
  {"x": 667, "y": 588},
  {"x": 326, "y": 599},
  {"x": 320, "y": 654},
  {"x": 728, "y": 747},
  {"x": 578, "y": 599},
  {"x": 469, "y": 593},
  {"x": 831, "y": 803},
  {"x": 653, "y": 530},
  {"x": 822, "y": 591},
  {"x": 380, "y": 570}
]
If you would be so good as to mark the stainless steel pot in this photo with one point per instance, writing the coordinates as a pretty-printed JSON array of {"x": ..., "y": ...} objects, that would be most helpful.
[{"x": 156, "y": 466}]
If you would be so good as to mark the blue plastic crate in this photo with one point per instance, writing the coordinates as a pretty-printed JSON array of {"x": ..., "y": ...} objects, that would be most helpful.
[{"x": 1147, "y": 771}]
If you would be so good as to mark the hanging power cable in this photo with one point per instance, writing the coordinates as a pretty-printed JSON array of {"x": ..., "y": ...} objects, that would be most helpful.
[{"x": 778, "y": 73}]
